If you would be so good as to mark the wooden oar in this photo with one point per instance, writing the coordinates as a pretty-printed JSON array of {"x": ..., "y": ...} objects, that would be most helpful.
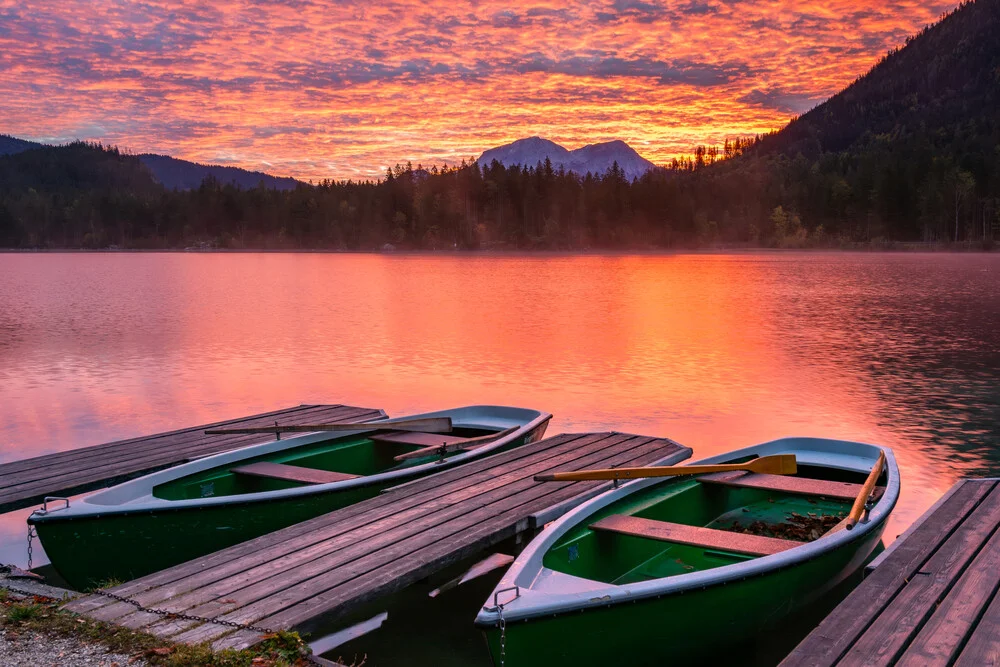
[
  {"x": 454, "y": 446},
  {"x": 423, "y": 425},
  {"x": 858, "y": 508},
  {"x": 485, "y": 566},
  {"x": 778, "y": 464}
]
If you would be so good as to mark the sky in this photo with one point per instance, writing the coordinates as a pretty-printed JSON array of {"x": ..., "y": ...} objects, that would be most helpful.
[{"x": 343, "y": 90}]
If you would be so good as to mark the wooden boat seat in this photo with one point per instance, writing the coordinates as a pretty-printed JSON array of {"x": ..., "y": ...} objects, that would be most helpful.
[
  {"x": 413, "y": 438},
  {"x": 785, "y": 484},
  {"x": 709, "y": 538},
  {"x": 291, "y": 473}
]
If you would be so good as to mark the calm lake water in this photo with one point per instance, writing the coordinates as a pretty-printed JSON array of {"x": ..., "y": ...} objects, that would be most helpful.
[{"x": 715, "y": 351}]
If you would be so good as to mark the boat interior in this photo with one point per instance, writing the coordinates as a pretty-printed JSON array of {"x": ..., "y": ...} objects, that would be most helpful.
[
  {"x": 699, "y": 523},
  {"x": 330, "y": 460}
]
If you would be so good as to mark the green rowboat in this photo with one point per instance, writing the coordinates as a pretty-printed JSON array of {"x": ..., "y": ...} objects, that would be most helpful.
[
  {"x": 175, "y": 515},
  {"x": 664, "y": 570}
]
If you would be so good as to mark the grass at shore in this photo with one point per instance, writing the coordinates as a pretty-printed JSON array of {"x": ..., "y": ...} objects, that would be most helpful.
[{"x": 39, "y": 615}]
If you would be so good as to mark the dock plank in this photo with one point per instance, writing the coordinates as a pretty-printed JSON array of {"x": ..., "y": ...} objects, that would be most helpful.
[
  {"x": 924, "y": 602},
  {"x": 295, "y": 558},
  {"x": 294, "y": 580},
  {"x": 326, "y": 566},
  {"x": 889, "y": 633},
  {"x": 25, "y": 483},
  {"x": 940, "y": 640},
  {"x": 398, "y": 570},
  {"x": 181, "y": 437},
  {"x": 192, "y": 442},
  {"x": 983, "y": 647},
  {"x": 189, "y": 576},
  {"x": 114, "y": 466}
]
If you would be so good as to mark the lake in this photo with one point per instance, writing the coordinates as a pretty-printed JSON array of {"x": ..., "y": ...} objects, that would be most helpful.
[{"x": 716, "y": 351}]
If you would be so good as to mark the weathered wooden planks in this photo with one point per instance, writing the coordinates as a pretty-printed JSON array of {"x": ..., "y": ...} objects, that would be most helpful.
[
  {"x": 708, "y": 538},
  {"x": 932, "y": 601},
  {"x": 325, "y": 567},
  {"x": 290, "y": 473},
  {"x": 26, "y": 482},
  {"x": 785, "y": 484}
]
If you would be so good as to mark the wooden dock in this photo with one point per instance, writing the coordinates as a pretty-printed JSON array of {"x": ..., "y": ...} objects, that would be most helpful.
[
  {"x": 318, "y": 570},
  {"x": 25, "y": 483},
  {"x": 930, "y": 599}
]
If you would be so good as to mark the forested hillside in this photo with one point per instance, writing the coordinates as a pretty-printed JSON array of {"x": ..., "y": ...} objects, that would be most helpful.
[{"x": 909, "y": 152}]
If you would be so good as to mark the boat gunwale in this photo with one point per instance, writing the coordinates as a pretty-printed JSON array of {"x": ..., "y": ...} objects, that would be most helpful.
[
  {"x": 531, "y": 604},
  {"x": 83, "y": 509}
]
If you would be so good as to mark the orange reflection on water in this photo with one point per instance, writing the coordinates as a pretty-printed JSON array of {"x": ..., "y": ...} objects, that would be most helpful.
[{"x": 715, "y": 351}]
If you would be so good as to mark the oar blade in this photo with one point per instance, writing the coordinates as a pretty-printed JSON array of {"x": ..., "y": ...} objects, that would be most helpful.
[
  {"x": 776, "y": 464},
  {"x": 483, "y": 567}
]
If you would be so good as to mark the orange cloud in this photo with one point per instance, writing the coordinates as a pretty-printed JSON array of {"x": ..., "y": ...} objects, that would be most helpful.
[{"x": 312, "y": 90}]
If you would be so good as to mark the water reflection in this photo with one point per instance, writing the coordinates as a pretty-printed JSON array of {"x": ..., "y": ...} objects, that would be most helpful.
[{"x": 715, "y": 351}]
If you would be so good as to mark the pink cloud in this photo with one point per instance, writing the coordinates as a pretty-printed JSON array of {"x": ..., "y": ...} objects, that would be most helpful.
[{"x": 342, "y": 91}]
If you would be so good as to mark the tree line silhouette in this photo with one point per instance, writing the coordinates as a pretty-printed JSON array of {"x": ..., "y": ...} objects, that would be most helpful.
[{"x": 84, "y": 196}]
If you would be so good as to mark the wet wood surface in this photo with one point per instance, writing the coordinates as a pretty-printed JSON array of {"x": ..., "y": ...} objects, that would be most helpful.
[
  {"x": 26, "y": 482},
  {"x": 932, "y": 600},
  {"x": 316, "y": 571}
]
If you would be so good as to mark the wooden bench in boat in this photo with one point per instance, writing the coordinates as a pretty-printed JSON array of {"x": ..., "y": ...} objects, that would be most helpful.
[
  {"x": 709, "y": 538},
  {"x": 785, "y": 484},
  {"x": 291, "y": 473}
]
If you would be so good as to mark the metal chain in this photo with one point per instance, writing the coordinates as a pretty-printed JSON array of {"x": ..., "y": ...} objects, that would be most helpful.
[
  {"x": 181, "y": 615},
  {"x": 498, "y": 608},
  {"x": 4, "y": 568},
  {"x": 159, "y": 612},
  {"x": 503, "y": 635},
  {"x": 31, "y": 536}
]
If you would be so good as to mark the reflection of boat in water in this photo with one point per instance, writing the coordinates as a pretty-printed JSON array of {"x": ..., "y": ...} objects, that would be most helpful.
[
  {"x": 663, "y": 570},
  {"x": 193, "y": 509}
]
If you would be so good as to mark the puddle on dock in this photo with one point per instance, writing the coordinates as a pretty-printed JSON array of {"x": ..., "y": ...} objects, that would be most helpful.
[{"x": 421, "y": 630}]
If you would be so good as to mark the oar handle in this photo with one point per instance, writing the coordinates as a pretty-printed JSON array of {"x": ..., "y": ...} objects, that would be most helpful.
[
  {"x": 866, "y": 491},
  {"x": 779, "y": 464}
]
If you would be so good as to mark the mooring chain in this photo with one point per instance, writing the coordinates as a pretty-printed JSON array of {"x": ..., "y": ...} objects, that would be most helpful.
[
  {"x": 31, "y": 536},
  {"x": 503, "y": 635},
  {"x": 181, "y": 615},
  {"x": 4, "y": 568},
  {"x": 498, "y": 608}
]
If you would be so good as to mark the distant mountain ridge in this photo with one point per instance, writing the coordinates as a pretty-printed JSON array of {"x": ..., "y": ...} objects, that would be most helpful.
[
  {"x": 177, "y": 174},
  {"x": 11, "y": 145},
  {"x": 943, "y": 86},
  {"x": 593, "y": 158}
]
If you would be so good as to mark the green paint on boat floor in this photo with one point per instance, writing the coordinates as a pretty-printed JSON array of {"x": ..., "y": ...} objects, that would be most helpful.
[{"x": 616, "y": 558}]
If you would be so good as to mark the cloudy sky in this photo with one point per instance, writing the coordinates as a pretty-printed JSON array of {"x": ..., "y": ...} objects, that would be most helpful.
[{"x": 344, "y": 89}]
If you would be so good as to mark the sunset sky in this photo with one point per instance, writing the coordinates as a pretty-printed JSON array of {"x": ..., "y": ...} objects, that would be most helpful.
[{"x": 343, "y": 90}]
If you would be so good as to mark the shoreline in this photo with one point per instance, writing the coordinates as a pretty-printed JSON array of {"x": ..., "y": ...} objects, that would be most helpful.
[{"x": 889, "y": 247}]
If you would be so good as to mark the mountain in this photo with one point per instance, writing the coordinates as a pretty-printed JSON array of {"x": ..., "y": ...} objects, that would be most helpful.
[
  {"x": 909, "y": 151},
  {"x": 12, "y": 145},
  {"x": 593, "y": 158},
  {"x": 177, "y": 174},
  {"x": 944, "y": 77}
]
